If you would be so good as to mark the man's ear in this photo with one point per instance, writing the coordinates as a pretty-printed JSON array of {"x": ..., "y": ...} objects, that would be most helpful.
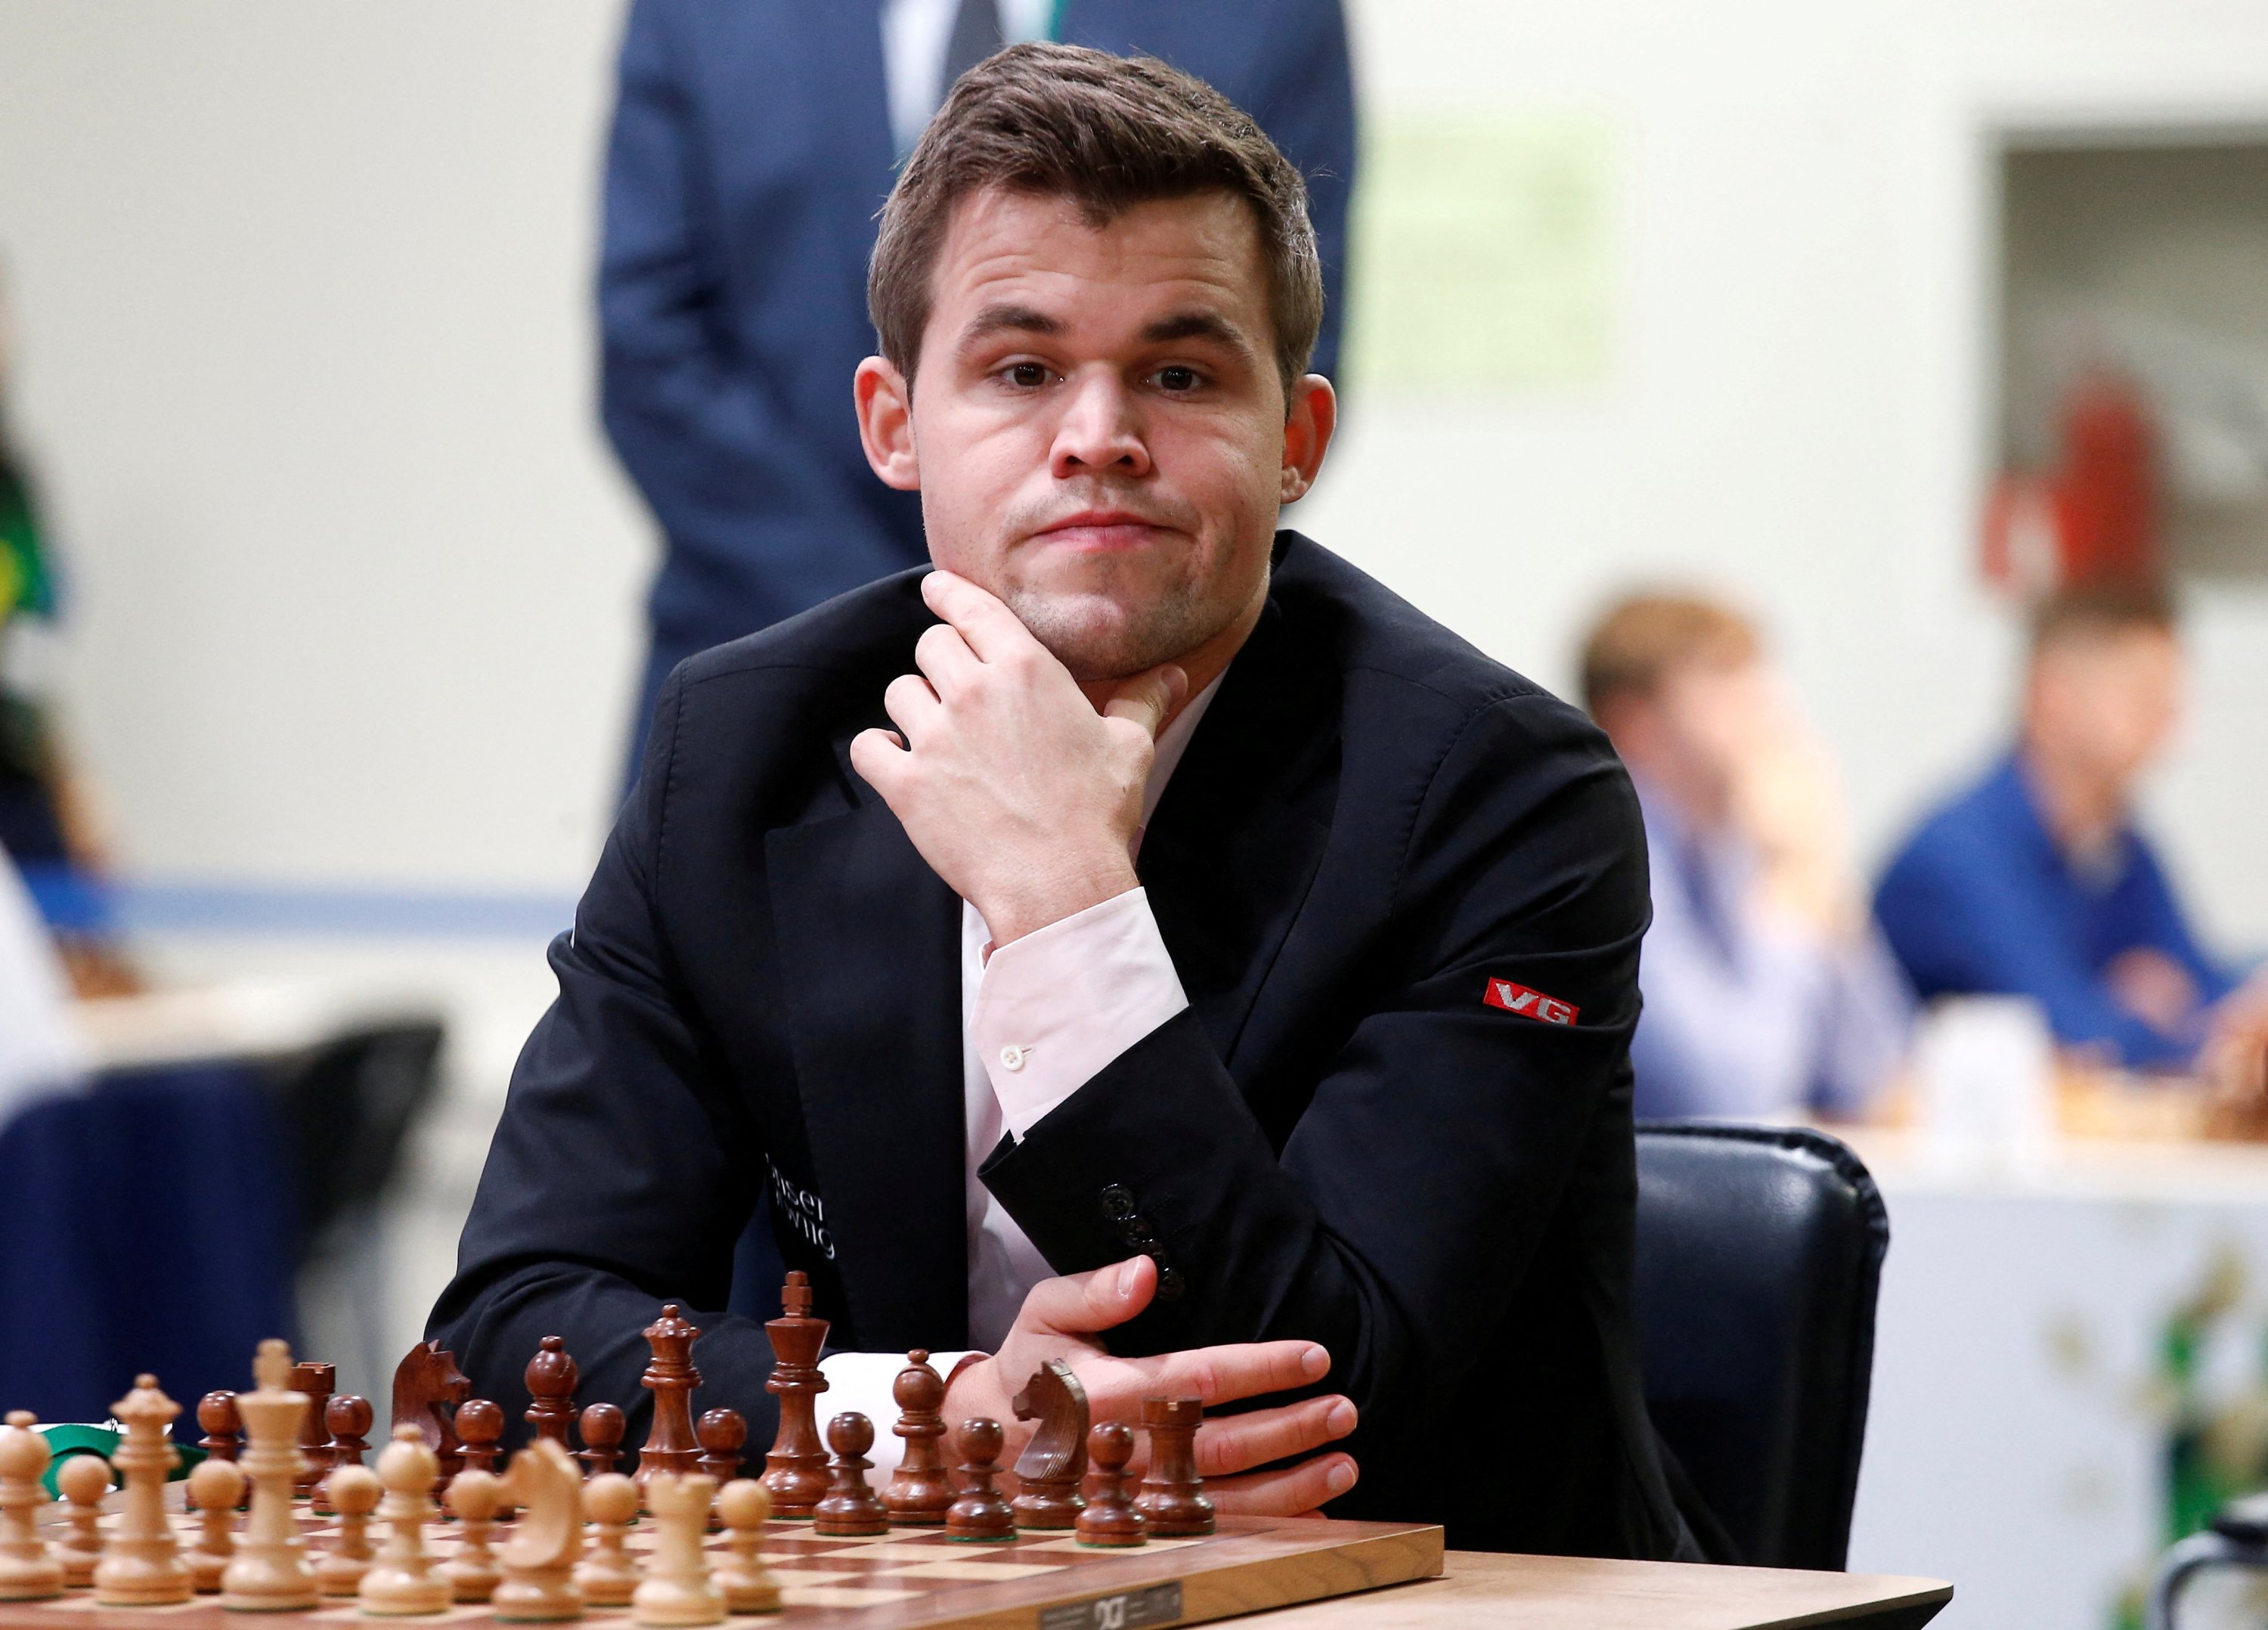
[
  {"x": 1307, "y": 430},
  {"x": 885, "y": 402}
]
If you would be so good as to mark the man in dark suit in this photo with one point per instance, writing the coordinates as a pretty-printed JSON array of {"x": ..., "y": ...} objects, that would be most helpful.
[
  {"x": 752, "y": 144},
  {"x": 1143, "y": 940}
]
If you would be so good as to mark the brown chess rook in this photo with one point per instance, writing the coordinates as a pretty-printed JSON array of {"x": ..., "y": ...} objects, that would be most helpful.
[
  {"x": 670, "y": 1445},
  {"x": 552, "y": 1376},
  {"x": 479, "y": 1434},
  {"x": 980, "y": 1515},
  {"x": 1173, "y": 1496},
  {"x": 851, "y": 1506},
  {"x": 920, "y": 1489},
  {"x": 795, "y": 1470},
  {"x": 1049, "y": 1471},
  {"x": 600, "y": 1427},
  {"x": 428, "y": 1386},
  {"x": 1110, "y": 1518},
  {"x": 348, "y": 1419},
  {"x": 317, "y": 1381}
]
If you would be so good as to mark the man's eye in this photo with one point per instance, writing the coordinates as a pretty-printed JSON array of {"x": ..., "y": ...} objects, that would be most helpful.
[
  {"x": 1178, "y": 380},
  {"x": 1029, "y": 375}
]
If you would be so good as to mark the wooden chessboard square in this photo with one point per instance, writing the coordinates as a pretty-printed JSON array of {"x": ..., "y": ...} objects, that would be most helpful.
[
  {"x": 888, "y": 1550},
  {"x": 844, "y": 1596},
  {"x": 1072, "y": 1545},
  {"x": 972, "y": 1572},
  {"x": 791, "y": 1576}
]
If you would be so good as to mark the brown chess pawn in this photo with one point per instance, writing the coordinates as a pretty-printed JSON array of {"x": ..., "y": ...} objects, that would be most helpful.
[
  {"x": 480, "y": 1430},
  {"x": 851, "y": 1506},
  {"x": 82, "y": 1480},
  {"x": 473, "y": 1499},
  {"x": 215, "y": 1487},
  {"x": 920, "y": 1489},
  {"x": 600, "y": 1427},
  {"x": 1110, "y": 1518},
  {"x": 980, "y": 1515},
  {"x": 347, "y": 1418},
  {"x": 317, "y": 1381},
  {"x": 353, "y": 1491},
  {"x": 746, "y": 1583},
  {"x": 28, "y": 1573},
  {"x": 609, "y": 1573},
  {"x": 223, "y": 1428},
  {"x": 142, "y": 1565},
  {"x": 551, "y": 1376},
  {"x": 1173, "y": 1496},
  {"x": 795, "y": 1469},
  {"x": 722, "y": 1433}
]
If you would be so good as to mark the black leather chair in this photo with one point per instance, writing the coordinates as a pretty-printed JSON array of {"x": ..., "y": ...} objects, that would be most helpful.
[{"x": 1759, "y": 1253}]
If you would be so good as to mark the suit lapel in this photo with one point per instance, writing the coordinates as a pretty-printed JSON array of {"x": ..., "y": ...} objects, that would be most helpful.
[{"x": 870, "y": 941}]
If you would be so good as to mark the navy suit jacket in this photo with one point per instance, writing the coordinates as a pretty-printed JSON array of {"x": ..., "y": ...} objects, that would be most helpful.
[
  {"x": 1358, "y": 1133},
  {"x": 751, "y": 151}
]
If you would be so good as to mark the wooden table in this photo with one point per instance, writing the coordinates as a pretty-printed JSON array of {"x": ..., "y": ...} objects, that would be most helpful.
[{"x": 1582, "y": 1593}]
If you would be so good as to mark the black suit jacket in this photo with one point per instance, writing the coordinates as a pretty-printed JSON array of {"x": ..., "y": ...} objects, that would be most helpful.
[{"x": 1341, "y": 1139}]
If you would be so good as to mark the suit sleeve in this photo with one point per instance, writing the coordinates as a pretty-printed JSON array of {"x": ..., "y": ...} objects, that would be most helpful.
[
  {"x": 619, "y": 1176},
  {"x": 1396, "y": 1221}
]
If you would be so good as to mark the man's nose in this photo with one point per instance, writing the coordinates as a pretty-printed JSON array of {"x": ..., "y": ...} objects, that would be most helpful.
[{"x": 1101, "y": 431}]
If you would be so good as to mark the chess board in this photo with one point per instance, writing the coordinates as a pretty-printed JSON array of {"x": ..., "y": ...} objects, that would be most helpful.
[{"x": 917, "y": 1577}]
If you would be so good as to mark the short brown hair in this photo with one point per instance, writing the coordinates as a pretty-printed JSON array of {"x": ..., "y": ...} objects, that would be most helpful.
[
  {"x": 1107, "y": 132},
  {"x": 1642, "y": 637},
  {"x": 2095, "y": 610}
]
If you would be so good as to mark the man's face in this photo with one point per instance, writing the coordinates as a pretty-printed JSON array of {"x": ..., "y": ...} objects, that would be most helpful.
[
  {"x": 2108, "y": 700},
  {"x": 1097, "y": 427}
]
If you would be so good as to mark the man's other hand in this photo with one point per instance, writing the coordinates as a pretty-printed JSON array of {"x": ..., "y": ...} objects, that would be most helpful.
[
  {"x": 1061, "y": 1319},
  {"x": 1020, "y": 791}
]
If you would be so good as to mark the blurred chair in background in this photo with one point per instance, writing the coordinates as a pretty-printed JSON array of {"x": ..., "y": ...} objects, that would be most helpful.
[
  {"x": 752, "y": 146},
  {"x": 1767, "y": 989},
  {"x": 2036, "y": 881}
]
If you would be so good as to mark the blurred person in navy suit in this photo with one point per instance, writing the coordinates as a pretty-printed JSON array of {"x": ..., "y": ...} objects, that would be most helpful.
[
  {"x": 1768, "y": 991},
  {"x": 2035, "y": 881},
  {"x": 753, "y": 145}
]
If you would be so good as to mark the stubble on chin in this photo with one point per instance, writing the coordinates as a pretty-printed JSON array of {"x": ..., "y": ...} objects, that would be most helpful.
[{"x": 1100, "y": 639}]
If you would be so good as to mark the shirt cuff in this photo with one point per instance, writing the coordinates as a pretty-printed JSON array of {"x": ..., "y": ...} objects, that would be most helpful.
[
  {"x": 862, "y": 1381},
  {"x": 1057, "y": 1005}
]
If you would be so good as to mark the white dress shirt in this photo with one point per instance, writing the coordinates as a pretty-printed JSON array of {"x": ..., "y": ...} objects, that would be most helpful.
[{"x": 1040, "y": 1018}]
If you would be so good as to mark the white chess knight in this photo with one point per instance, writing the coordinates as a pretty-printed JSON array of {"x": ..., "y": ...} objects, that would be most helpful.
[{"x": 539, "y": 1562}]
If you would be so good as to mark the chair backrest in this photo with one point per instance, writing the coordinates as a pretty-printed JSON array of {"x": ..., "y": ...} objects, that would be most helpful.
[
  {"x": 345, "y": 1109},
  {"x": 1759, "y": 1253}
]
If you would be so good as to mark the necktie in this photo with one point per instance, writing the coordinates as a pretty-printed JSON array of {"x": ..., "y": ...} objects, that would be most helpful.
[{"x": 976, "y": 35}]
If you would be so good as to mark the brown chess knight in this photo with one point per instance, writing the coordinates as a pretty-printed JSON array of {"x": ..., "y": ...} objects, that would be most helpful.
[{"x": 1083, "y": 952}]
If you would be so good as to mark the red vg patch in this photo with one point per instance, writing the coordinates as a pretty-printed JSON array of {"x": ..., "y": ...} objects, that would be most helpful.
[{"x": 1515, "y": 998}]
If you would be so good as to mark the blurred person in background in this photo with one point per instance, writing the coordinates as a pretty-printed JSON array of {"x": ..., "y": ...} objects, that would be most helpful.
[
  {"x": 753, "y": 145},
  {"x": 2035, "y": 881},
  {"x": 39, "y": 1051},
  {"x": 1768, "y": 991}
]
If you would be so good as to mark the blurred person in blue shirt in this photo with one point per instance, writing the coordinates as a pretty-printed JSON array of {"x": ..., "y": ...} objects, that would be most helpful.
[
  {"x": 2035, "y": 881},
  {"x": 1767, "y": 990}
]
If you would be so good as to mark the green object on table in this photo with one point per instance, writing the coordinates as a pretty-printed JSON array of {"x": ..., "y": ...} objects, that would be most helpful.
[{"x": 67, "y": 1438}]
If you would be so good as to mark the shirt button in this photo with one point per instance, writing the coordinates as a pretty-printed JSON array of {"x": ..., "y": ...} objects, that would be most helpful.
[{"x": 1012, "y": 1057}]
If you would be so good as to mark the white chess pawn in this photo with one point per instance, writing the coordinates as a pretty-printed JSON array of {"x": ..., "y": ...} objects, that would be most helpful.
[
  {"x": 270, "y": 1570},
  {"x": 142, "y": 1565},
  {"x": 748, "y": 1585},
  {"x": 354, "y": 1492},
  {"x": 82, "y": 1480},
  {"x": 28, "y": 1572},
  {"x": 401, "y": 1580},
  {"x": 473, "y": 1499},
  {"x": 215, "y": 1489},
  {"x": 677, "y": 1588},
  {"x": 610, "y": 1572}
]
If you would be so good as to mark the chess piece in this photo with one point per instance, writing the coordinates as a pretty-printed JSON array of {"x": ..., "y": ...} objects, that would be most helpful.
[
  {"x": 270, "y": 1568},
  {"x": 428, "y": 1386},
  {"x": 851, "y": 1506},
  {"x": 677, "y": 1588},
  {"x": 401, "y": 1580},
  {"x": 28, "y": 1572},
  {"x": 745, "y": 1582},
  {"x": 142, "y": 1564},
  {"x": 474, "y": 1495},
  {"x": 215, "y": 1487},
  {"x": 602, "y": 1427},
  {"x": 347, "y": 1418},
  {"x": 479, "y": 1434},
  {"x": 919, "y": 1489},
  {"x": 539, "y": 1562},
  {"x": 1049, "y": 1469},
  {"x": 82, "y": 1480},
  {"x": 722, "y": 1434},
  {"x": 795, "y": 1470},
  {"x": 223, "y": 1428},
  {"x": 353, "y": 1491},
  {"x": 551, "y": 1376},
  {"x": 609, "y": 1573},
  {"x": 980, "y": 1515},
  {"x": 1110, "y": 1518},
  {"x": 317, "y": 1381},
  {"x": 1173, "y": 1496},
  {"x": 671, "y": 1378}
]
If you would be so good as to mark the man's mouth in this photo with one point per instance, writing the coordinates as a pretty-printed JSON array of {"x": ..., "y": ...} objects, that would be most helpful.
[{"x": 1100, "y": 530}]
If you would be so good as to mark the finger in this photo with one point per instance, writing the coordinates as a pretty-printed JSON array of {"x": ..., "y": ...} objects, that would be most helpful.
[
  {"x": 880, "y": 758},
  {"x": 1079, "y": 1303},
  {"x": 990, "y": 629},
  {"x": 1243, "y": 1369},
  {"x": 944, "y": 658},
  {"x": 912, "y": 707},
  {"x": 1230, "y": 1444},
  {"x": 1294, "y": 1491},
  {"x": 1148, "y": 697}
]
